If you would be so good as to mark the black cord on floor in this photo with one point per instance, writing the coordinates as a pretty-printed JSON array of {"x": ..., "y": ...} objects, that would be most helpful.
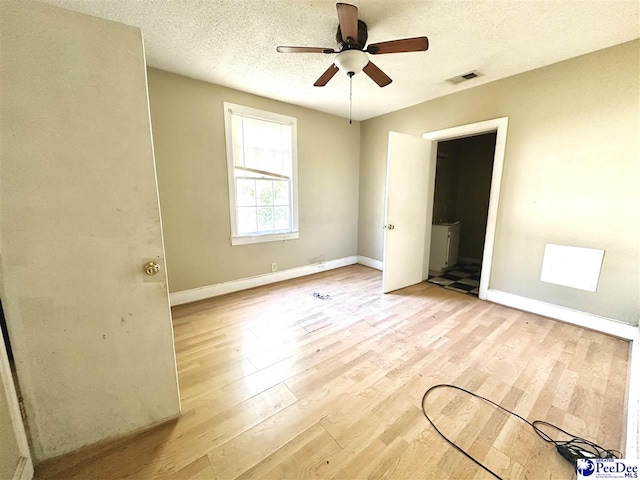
[{"x": 572, "y": 450}]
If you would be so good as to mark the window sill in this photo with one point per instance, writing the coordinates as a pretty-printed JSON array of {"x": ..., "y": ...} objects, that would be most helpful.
[{"x": 274, "y": 237}]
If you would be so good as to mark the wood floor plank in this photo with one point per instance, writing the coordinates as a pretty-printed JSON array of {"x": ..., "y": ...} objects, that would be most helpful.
[
  {"x": 200, "y": 469},
  {"x": 278, "y": 383},
  {"x": 298, "y": 458},
  {"x": 417, "y": 461}
]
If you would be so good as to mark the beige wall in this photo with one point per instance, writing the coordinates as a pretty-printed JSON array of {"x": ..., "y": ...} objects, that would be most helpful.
[
  {"x": 570, "y": 174},
  {"x": 188, "y": 130},
  {"x": 91, "y": 333}
]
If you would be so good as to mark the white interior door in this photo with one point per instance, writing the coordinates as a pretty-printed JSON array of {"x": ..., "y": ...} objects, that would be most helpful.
[
  {"x": 79, "y": 220},
  {"x": 408, "y": 210},
  {"x": 15, "y": 458}
]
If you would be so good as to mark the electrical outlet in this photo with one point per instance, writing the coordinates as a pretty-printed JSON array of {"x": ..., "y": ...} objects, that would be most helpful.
[{"x": 274, "y": 267}]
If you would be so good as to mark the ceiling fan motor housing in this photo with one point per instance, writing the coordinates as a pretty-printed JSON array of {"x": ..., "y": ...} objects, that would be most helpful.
[{"x": 361, "y": 41}]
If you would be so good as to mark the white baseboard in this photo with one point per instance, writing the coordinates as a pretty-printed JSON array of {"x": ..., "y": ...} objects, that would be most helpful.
[
  {"x": 576, "y": 317},
  {"x": 632, "y": 449},
  {"x": 370, "y": 262},
  {"x": 209, "y": 291}
]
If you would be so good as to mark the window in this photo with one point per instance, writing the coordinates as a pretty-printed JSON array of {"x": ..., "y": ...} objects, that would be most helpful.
[{"x": 262, "y": 168}]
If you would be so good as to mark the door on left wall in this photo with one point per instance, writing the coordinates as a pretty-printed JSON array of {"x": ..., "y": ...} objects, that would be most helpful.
[
  {"x": 83, "y": 274},
  {"x": 15, "y": 458}
]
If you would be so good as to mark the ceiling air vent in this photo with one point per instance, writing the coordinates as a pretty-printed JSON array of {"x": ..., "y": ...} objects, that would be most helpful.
[{"x": 464, "y": 77}]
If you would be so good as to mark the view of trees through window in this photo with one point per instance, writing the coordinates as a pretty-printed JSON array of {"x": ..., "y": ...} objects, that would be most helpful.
[
  {"x": 263, "y": 205},
  {"x": 261, "y": 155}
]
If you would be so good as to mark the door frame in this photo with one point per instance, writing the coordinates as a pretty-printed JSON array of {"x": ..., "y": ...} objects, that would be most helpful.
[
  {"x": 24, "y": 468},
  {"x": 498, "y": 125}
]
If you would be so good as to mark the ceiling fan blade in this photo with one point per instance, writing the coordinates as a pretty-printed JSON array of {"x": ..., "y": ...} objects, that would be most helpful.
[
  {"x": 416, "y": 44},
  {"x": 326, "y": 76},
  {"x": 376, "y": 74},
  {"x": 305, "y": 50},
  {"x": 348, "y": 17}
]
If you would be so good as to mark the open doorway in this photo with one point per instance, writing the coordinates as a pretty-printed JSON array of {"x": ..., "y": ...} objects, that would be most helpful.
[
  {"x": 464, "y": 168},
  {"x": 410, "y": 186},
  {"x": 498, "y": 127}
]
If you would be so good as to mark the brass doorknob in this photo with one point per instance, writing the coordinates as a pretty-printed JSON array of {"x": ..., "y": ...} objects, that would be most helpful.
[{"x": 151, "y": 268}]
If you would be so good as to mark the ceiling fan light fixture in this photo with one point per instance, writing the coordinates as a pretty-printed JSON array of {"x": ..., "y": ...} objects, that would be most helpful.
[{"x": 351, "y": 61}]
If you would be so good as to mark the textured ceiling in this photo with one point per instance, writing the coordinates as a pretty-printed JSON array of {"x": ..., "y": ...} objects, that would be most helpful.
[{"x": 233, "y": 43}]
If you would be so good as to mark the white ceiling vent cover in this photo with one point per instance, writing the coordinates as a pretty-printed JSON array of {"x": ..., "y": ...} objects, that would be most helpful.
[{"x": 464, "y": 77}]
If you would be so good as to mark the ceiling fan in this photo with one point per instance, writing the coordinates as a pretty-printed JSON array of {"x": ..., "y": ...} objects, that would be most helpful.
[{"x": 352, "y": 56}]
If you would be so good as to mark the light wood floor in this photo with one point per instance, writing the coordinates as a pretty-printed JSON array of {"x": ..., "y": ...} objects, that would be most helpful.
[{"x": 277, "y": 383}]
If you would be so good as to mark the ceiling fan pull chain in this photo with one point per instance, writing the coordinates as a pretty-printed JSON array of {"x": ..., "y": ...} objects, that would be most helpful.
[{"x": 350, "y": 96}]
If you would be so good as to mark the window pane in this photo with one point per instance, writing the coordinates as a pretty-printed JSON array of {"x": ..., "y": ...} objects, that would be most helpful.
[
  {"x": 281, "y": 218},
  {"x": 238, "y": 158},
  {"x": 265, "y": 219},
  {"x": 270, "y": 161},
  {"x": 262, "y": 145},
  {"x": 264, "y": 192},
  {"x": 246, "y": 191},
  {"x": 247, "y": 222},
  {"x": 262, "y": 163},
  {"x": 280, "y": 192}
]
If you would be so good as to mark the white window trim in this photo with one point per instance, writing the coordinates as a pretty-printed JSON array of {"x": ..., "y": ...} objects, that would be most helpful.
[{"x": 272, "y": 117}]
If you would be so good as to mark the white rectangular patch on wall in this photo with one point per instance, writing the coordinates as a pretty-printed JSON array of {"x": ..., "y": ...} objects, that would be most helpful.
[{"x": 574, "y": 267}]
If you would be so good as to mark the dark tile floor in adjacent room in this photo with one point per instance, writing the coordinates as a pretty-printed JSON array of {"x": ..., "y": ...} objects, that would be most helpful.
[{"x": 463, "y": 278}]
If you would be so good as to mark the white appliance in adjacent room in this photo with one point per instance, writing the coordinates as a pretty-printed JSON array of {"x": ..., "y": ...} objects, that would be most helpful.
[{"x": 445, "y": 240}]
